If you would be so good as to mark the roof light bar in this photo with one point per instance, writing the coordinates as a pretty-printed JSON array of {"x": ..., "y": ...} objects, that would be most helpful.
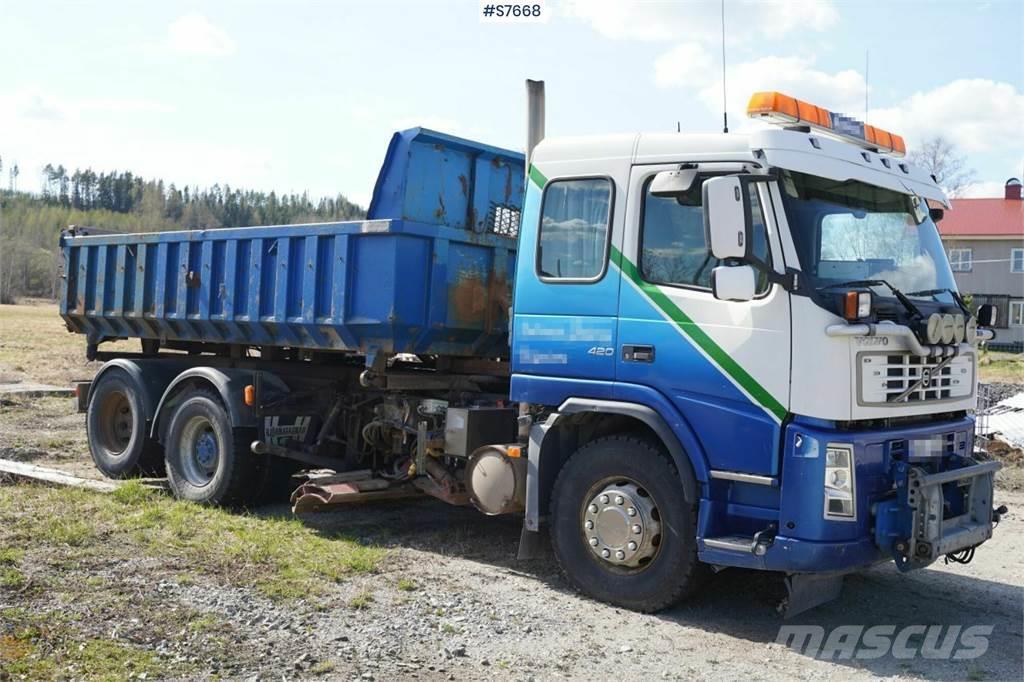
[{"x": 775, "y": 107}]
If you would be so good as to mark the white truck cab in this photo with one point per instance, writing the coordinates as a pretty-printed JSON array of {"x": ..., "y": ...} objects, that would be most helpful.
[{"x": 777, "y": 309}]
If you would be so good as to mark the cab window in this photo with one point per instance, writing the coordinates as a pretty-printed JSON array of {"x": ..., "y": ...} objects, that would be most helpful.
[
  {"x": 574, "y": 229},
  {"x": 673, "y": 250}
]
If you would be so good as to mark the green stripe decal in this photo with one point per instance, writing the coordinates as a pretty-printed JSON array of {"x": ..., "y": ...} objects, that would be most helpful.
[
  {"x": 537, "y": 177},
  {"x": 699, "y": 337}
]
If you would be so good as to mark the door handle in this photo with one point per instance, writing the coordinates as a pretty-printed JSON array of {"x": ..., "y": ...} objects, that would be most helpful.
[{"x": 635, "y": 353}]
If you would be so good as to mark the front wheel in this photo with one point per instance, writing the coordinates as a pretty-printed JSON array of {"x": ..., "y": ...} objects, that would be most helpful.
[
  {"x": 208, "y": 461},
  {"x": 620, "y": 528}
]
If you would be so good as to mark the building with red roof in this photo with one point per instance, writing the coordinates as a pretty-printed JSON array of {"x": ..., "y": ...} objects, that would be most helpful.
[{"x": 984, "y": 239}]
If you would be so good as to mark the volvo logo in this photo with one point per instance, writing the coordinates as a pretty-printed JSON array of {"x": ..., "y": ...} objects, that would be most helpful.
[{"x": 926, "y": 378}]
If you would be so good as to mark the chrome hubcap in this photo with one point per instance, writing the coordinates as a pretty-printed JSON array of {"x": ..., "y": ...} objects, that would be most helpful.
[{"x": 621, "y": 524}]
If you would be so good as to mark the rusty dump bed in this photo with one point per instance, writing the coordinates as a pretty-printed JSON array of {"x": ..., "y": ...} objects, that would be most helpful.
[{"x": 429, "y": 271}]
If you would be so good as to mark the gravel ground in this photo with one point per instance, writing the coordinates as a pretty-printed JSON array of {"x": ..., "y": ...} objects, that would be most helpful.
[
  {"x": 453, "y": 603},
  {"x": 995, "y": 392}
]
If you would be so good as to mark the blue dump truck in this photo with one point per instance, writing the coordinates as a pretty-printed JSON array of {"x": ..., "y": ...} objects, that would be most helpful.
[{"x": 676, "y": 353}]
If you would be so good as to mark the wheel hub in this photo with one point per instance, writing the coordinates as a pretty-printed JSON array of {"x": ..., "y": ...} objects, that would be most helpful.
[
  {"x": 115, "y": 424},
  {"x": 206, "y": 451},
  {"x": 200, "y": 450},
  {"x": 621, "y": 525}
]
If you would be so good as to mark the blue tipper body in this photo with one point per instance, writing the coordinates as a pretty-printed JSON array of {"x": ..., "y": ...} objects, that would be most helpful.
[{"x": 428, "y": 271}]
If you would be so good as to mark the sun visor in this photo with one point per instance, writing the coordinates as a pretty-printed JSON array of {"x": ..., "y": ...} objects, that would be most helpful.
[{"x": 830, "y": 158}]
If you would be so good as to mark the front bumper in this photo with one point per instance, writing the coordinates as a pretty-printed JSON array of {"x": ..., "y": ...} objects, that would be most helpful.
[
  {"x": 934, "y": 514},
  {"x": 911, "y": 508}
]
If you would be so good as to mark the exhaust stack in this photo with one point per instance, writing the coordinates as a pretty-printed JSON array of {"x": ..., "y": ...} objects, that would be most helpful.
[{"x": 534, "y": 117}]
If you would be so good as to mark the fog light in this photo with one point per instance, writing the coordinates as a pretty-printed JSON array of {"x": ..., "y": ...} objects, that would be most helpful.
[{"x": 840, "y": 501}]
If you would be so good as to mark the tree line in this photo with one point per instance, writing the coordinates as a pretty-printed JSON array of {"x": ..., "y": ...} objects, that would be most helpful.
[{"x": 31, "y": 223}]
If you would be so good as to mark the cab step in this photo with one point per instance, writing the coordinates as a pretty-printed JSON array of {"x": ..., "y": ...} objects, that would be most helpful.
[{"x": 732, "y": 543}]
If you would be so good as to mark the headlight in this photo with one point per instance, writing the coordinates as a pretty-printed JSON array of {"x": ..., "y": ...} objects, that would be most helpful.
[
  {"x": 959, "y": 328},
  {"x": 934, "y": 332},
  {"x": 840, "y": 502},
  {"x": 948, "y": 329},
  {"x": 971, "y": 330}
]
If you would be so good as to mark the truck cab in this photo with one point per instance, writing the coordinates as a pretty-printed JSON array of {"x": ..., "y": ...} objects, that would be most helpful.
[{"x": 773, "y": 316}]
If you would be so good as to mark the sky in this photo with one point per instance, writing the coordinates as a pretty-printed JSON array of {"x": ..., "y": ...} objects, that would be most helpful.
[{"x": 303, "y": 96}]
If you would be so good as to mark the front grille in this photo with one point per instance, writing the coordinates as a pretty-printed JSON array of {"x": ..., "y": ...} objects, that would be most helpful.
[{"x": 901, "y": 378}]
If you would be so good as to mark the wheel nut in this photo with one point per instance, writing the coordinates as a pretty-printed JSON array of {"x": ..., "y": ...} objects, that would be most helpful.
[
  {"x": 593, "y": 542},
  {"x": 605, "y": 553},
  {"x": 589, "y": 525},
  {"x": 592, "y": 509},
  {"x": 631, "y": 511},
  {"x": 604, "y": 499},
  {"x": 632, "y": 546},
  {"x": 637, "y": 529},
  {"x": 619, "y": 499},
  {"x": 620, "y": 555}
]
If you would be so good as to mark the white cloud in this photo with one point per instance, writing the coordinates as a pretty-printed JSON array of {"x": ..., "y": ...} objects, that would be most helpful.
[
  {"x": 701, "y": 20},
  {"x": 977, "y": 115},
  {"x": 192, "y": 34},
  {"x": 992, "y": 189},
  {"x": 691, "y": 66},
  {"x": 683, "y": 65},
  {"x": 108, "y": 134}
]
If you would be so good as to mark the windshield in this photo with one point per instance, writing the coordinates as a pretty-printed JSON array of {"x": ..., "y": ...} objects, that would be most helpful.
[{"x": 847, "y": 230}]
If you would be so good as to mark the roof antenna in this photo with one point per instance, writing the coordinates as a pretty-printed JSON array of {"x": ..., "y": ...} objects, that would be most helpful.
[
  {"x": 679, "y": 127},
  {"x": 725, "y": 110},
  {"x": 867, "y": 72}
]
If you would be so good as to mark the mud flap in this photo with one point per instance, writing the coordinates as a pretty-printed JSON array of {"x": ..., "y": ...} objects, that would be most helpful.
[
  {"x": 529, "y": 544},
  {"x": 807, "y": 590}
]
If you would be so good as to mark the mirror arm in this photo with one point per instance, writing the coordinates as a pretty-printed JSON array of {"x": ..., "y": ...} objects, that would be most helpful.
[{"x": 790, "y": 280}]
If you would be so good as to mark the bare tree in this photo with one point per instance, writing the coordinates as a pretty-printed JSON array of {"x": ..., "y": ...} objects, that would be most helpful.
[{"x": 941, "y": 158}]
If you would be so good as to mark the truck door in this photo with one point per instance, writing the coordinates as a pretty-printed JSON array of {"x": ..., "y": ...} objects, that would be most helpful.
[
  {"x": 566, "y": 290},
  {"x": 724, "y": 365}
]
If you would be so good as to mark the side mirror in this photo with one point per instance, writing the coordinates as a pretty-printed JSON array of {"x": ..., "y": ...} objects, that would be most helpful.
[
  {"x": 673, "y": 182},
  {"x": 987, "y": 315},
  {"x": 734, "y": 283},
  {"x": 727, "y": 220}
]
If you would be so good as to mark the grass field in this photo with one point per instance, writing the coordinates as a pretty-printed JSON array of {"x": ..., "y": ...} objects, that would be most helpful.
[
  {"x": 1003, "y": 367},
  {"x": 58, "y": 546},
  {"x": 35, "y": 345}
]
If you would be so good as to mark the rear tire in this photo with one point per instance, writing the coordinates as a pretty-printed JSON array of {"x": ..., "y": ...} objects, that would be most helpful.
[
  {"x": 208, "y": 461},
  {"x": 620, "y": 528},
  {"x": 115, "y": 425}
]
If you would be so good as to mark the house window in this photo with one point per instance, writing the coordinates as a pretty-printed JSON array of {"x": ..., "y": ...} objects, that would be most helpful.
[
  {"x": 960, "y": 260},
  {"x": 1017, "y": 313},
  {"x": 575, "y": 228},
  {"x": 1016, "y": 260}
]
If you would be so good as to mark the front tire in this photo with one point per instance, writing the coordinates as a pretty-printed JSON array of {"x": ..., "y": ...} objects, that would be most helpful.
[
  {"x": 620, "y": 528},
  {"x": 208, "y": 461},
  {"x": 115, "y": 426}
]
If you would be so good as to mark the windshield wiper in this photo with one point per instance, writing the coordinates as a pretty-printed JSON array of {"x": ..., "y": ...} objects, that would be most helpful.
[
  {"x": 944, "y": 290},
  {"x": 900, "y": 296}
]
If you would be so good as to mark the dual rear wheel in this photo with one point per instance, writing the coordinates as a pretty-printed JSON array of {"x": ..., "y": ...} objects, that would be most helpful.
[{"x": 206, "y": 460}]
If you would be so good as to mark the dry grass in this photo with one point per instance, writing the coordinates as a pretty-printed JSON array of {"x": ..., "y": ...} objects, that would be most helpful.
[
  {"x": 1002, "y": 367},
  {"x": 280, "y": 557},
  {"x": 35, "y": 345}
]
